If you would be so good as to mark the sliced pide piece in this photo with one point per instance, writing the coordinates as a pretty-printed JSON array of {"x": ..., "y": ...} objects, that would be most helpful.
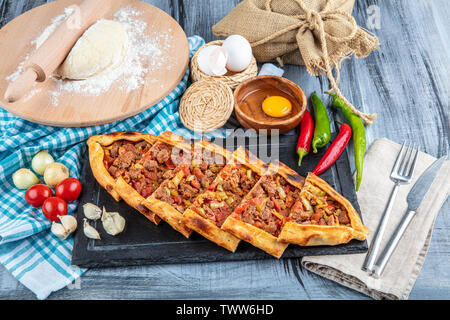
[
  {"x": 188, "y": 180},
  {"x": 321, "y": 216},
  {"x": 211, "y": 208},
  {"x": 134, "y": 199},
  {"x": 100, "y": 155},
  {"x": 133, "y": 165},
  {"x": 259, "y": 218},
  {"x": 156, "y": 166}
]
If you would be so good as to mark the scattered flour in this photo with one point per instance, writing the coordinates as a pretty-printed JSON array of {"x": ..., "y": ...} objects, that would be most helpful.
[
  {"x": 145, "y": 52},
  {"x": 31, "y": 94},
  {"x": 52, "y": 27}
]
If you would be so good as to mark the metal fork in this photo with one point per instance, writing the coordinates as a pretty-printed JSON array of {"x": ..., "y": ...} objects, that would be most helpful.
[{"x": 401, "y": 174}]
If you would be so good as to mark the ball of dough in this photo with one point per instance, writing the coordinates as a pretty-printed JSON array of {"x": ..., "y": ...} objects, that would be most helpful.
[{"x": 103, "y": 45}]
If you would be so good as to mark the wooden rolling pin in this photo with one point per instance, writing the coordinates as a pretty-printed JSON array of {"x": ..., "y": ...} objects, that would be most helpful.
[{"x": 55, "y": 49}]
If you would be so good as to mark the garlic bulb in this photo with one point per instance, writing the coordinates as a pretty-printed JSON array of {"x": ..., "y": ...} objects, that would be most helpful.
[
  {"x": 90, "y": 231},
  {"x": 65, "y": 228},
  {"x": 113, "y": 222},
  {"x": 91, "y": 211}
]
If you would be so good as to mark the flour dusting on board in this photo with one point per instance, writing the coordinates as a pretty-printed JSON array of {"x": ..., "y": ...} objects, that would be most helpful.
[
  {"x": 145, "y": 52},
  {"x": 52, "y": 27}
]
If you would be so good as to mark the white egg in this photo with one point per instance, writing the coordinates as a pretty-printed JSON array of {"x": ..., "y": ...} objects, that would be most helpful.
[
  {"x": 239, "y": 52},
  {"x": 212, "y": 60}
]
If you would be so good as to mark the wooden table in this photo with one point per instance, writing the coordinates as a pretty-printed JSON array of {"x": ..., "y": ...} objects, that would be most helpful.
[{"x": 406, "y": 82}]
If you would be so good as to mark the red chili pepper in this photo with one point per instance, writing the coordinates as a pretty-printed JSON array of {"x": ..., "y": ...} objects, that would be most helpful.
[
  {"x": 306, "y": 134},
  {"x": 335, "y": 150}
]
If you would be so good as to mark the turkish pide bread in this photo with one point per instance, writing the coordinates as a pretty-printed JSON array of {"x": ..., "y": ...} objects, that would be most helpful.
[{"x": 226, "y": 197}]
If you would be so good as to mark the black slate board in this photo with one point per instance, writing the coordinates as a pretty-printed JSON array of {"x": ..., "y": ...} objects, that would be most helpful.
[{"x": 144, "y": 243}]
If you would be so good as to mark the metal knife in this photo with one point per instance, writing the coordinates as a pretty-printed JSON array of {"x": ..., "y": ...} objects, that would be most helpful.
[{"x": 414, "y": 199}]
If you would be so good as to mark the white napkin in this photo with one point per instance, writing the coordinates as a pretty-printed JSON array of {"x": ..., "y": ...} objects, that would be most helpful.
[{"x": 404, "y": 266}]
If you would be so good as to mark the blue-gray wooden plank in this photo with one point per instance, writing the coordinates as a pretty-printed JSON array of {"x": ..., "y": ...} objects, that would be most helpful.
[{"x": 406, "y": 82}]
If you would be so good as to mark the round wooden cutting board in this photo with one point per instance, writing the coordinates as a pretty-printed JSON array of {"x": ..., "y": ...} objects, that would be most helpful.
[{"x": 77, "y": 109}]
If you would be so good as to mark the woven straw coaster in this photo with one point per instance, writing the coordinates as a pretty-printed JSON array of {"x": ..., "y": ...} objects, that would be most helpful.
[{"x": 206, "y": 105}]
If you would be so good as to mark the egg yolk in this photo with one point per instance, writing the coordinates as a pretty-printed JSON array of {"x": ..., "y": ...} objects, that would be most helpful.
[{"x": 276, "y": 106}]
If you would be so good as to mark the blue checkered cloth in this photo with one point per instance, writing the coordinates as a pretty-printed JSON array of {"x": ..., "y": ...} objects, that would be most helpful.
[{"x": 28, "y": 249}]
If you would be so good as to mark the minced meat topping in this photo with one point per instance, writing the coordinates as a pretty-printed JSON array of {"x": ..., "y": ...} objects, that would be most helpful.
[
  {"x": 142, "y": 165},
  {"x": 225, "y": 193},
  {"x": 269, "y": 204},
  {"x": 190, "y": 179},
  {"x": 314, "y": 206}
]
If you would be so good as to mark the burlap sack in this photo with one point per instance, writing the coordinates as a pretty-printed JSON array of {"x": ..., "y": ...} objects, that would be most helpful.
[{"x": 316, "y": 33}]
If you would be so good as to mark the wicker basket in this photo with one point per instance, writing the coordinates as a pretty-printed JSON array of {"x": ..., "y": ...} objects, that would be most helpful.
[
  {"x": 206, "y": 105},
  {"x": 231, "y": 79}
]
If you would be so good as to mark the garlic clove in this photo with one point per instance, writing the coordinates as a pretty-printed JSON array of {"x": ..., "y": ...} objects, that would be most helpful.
[
  {"x": 113, "y": 222},
  {"x": 91, "y": 211},
  {"x": 90, "y": 231},
  {"x": 58, "y": 230},
  {"x": 69, "y": 223}
]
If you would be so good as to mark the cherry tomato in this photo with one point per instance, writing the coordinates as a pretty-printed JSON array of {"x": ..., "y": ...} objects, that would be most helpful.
[
  {"x": 54, "y": 207},
  {"x": 37, "y": 194},
  {"x": 69, "y": 189}
]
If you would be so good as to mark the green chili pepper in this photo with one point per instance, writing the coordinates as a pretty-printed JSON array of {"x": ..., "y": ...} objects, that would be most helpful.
[
  {"x": 322, "y": 131},
  {"x": 359, "y": 135}
]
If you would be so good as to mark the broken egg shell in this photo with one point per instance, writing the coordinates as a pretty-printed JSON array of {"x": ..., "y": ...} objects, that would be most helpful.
[
  {"x": 212, "y": 60},
  {"x": 218, "y": 61}
]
